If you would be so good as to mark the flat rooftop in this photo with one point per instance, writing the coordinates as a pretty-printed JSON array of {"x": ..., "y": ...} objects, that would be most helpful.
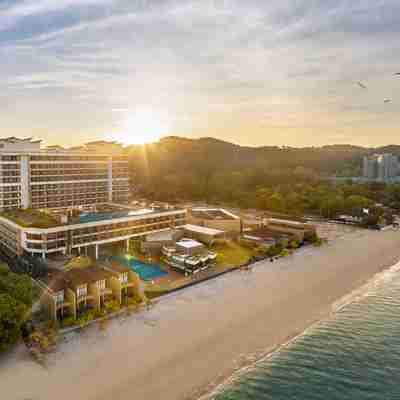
[
  {"x": 31, "y": 218},
  {"x": 203, "y": 230},
  {"x": 212, "y": 213},
  {"x": 46, "y": 219}
]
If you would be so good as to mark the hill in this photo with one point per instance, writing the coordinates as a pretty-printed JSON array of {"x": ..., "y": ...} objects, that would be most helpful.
[{"x": 212, "y": 169}]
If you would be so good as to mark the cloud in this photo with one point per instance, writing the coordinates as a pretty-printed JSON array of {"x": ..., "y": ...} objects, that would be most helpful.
[
  {"x": 237, "y": 61},
  {"x": 34, "y": 7}
]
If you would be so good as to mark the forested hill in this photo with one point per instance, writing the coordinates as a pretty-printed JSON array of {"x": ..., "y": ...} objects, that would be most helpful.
[{"x": 178, "y": 167}]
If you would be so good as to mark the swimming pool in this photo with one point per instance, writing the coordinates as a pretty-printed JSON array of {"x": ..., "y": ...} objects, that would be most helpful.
[{"x": 147, "y": 272}]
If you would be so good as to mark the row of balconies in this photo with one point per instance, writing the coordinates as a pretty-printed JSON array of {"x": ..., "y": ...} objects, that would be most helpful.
[
  {"x": 68, "y": 178},
  {"x": 68, "y": 173},
  {"x": 68, "y": 158},
  {"x": 69, "y": 203},
  {"x": 68, "y": 166}
]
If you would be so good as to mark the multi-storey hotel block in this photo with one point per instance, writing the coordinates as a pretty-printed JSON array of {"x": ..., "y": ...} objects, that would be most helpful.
[
  {"x": 70, "y": 201},
  {"x": 52, "y": 177}
]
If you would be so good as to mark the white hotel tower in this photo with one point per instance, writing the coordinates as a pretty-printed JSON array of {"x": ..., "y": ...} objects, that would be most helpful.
[
  {"x": 71, "y": 201},
  {"x": 53, "y": 177}
]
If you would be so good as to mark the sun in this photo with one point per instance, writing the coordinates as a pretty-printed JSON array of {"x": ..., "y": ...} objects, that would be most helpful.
[{"x": 141, "y": 127}]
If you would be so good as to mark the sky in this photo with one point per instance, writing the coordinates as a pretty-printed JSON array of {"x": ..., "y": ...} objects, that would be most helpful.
[{"x": 254, "y": 72}]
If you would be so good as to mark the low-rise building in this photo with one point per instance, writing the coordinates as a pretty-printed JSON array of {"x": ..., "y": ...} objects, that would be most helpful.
[
  {"x": 299, "y": 230},
  {"x": 189, "y": 256},
  {"x": 83, "y": 232},
  {"x": 203, "y": 234},
  {"x": 215, "y": 218},
  {"x": 74, "y": 292}
]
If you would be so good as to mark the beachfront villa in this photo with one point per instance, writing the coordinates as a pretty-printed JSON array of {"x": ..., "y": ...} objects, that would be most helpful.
[
  {"x": 70, "y": 201},
  {"x": 74, "y": 292},
  {"x": 189, "y": 256}
]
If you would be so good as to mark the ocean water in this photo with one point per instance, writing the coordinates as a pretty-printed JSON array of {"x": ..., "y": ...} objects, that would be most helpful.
[{"x": 353, "y": 355}]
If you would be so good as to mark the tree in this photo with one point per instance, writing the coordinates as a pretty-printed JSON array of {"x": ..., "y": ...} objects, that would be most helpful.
[
  {"x": 16, "y": 294},
  {"x": 18, "y": 287},
  {"x": 12, "y": 314}
]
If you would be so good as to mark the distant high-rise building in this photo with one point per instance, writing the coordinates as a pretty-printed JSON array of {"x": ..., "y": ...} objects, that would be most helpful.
[
  {"x": 370, "y": 167},
  {"x": 382, "y": 167}
]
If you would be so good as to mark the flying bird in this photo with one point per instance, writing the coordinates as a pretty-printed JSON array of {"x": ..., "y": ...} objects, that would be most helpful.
[{"x": 361, "y": 85}]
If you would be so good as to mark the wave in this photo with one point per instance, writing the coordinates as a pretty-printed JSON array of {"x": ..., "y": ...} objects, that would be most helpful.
[{"x": 254, "y": 360}]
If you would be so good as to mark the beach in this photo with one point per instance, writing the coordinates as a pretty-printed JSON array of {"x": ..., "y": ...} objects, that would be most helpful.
[{"x": 194, "y": 339}]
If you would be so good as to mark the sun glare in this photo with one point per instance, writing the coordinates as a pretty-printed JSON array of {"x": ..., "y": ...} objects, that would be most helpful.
[{"x": 142, "y": 127}]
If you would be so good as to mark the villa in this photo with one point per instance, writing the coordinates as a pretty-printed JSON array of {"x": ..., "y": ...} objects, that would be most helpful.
[
  {"x": 189, "y": 256},
  {"x": 72, "y": 293}
]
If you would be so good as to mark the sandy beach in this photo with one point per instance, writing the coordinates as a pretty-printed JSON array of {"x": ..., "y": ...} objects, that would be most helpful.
[{"x": 193, "y": 339}]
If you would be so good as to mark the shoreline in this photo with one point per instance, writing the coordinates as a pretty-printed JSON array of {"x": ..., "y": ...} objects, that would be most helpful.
[
  {"x": 197, "y": 338},
  {"x": 347, "y": 300}
]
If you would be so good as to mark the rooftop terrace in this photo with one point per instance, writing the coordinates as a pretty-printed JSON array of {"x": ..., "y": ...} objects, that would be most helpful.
[{"x": 31, "y": 218}]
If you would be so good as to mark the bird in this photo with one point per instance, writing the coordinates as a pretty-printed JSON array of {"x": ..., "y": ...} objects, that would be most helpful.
[
  {"x": 387, "y": 101},
  {"x": 361, "y": 85},
  {"x": 397, "y": 73}
]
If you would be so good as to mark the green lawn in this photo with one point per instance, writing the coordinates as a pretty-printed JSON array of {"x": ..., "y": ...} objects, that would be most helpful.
[
  {"x": 31, "y": 218},
  {"x": 232, "y": 254}
]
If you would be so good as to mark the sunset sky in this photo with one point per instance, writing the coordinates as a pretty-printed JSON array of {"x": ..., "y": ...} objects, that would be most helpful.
[{"x": 255, "y": 72}]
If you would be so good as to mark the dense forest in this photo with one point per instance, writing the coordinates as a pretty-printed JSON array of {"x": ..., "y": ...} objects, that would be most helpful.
[{"x": 283, "y": 179}]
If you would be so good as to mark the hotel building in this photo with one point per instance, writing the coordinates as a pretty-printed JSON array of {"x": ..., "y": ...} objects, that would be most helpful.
[
  {"x": 70, "y": 200},
  {"x": 53, "y": 177}
]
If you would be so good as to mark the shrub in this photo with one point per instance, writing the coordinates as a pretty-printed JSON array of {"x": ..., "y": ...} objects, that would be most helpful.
[
  {"x": 68, "y": 322},
  {"x": 112, "y": 306}
]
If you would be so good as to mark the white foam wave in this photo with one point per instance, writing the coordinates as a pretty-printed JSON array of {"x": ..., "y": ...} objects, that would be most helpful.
[{"x": 255, "y": 359}]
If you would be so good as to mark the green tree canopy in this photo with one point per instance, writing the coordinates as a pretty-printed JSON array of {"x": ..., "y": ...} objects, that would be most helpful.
[{"x": 12, "y": 314}]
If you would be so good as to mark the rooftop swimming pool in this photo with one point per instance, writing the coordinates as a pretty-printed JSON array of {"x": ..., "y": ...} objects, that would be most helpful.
[
  {"x": 146, "y": 272},
  {"x": 95, "y": 217}
]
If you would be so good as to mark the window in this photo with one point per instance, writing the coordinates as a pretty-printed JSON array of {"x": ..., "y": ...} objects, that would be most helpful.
[
  {"x": 123, "y": 278},
  {"x": 101, "y": 284},
  {"x": 59, "y": 297},
  {"x": 81, "y": 291}
]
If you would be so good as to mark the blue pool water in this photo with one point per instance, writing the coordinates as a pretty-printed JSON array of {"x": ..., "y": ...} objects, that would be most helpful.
[
  {"x": 95, "y": 217},
  {"x": 147, "y": 272}
]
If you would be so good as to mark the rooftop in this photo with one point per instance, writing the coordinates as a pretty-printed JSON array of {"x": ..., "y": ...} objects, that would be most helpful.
[
  {"x": 45, "y": 219},
  {"x": 203, "y": 230},
  {"x": 17, "y": 145},
  {"x": 60, "y": 280},
  {"x": 212, "y": 213},
  {"x": 77, "y": 277},
  {"x": 285, "y": 222},
  {"x": 189, "y": 243},
  {"x": 31, "y": 218}
]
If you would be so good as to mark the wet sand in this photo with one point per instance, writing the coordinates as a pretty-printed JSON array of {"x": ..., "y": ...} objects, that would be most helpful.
[{"x": 192, "y": 339}]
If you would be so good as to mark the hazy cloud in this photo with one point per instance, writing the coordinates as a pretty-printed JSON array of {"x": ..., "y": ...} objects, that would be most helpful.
[{"x": 223, "y": 65}]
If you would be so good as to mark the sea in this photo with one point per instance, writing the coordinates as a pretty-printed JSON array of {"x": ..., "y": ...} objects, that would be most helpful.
[{"x": 352, "y": 355}]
